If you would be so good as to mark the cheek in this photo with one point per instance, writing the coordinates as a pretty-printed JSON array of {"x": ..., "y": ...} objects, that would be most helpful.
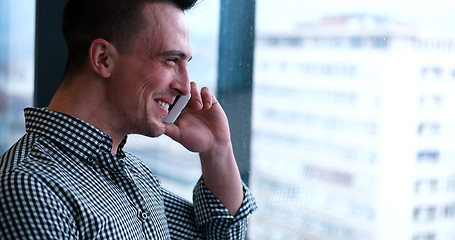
[
  {"x": 140, "y": 82},
  {"x": 158, "y": 82}
]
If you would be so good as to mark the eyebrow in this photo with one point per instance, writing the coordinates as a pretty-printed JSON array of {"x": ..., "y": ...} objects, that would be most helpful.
[{"x": 177, "y": 53}]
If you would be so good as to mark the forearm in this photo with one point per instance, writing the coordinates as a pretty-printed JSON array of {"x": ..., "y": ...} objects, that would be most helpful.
[{"x": 222, "y": 177}]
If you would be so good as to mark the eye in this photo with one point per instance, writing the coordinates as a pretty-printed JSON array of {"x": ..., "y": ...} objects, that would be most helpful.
[{"x": 172, "y": 60}]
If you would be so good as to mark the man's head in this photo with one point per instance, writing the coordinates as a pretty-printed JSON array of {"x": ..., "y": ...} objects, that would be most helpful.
[
  {"x": 116, "y": 21},
  {"x": 127, "y": 63}
]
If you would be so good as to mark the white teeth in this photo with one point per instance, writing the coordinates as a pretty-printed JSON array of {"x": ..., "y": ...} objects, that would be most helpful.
[{"x": 164, "y": 105}]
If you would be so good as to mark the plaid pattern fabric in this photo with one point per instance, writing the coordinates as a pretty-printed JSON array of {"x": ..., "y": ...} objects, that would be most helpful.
[{"x": 60, "y": 181}]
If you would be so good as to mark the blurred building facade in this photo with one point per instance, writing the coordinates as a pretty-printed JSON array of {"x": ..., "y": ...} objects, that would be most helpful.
[{"x": 353, "y": 132}]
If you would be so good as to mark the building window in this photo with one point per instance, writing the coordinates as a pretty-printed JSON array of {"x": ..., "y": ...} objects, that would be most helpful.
[
  {"x": 431, "y": 102},
  {"x": 451, "y": 184},
  {"x": 432, "y": 73},
  {"x": 424, "y": 236},
  {"x": 429, "y": 129},
  {"x": 428, "y": 156},
  {"x": 357, "y": 42},
  {"x": 449, "y": 210},
  {"x": 426, "y": 186},
  {"x": 424, "y": 214},
  {"x": 381, "y": 42}
]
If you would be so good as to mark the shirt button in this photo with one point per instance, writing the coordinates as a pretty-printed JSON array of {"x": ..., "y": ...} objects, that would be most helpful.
[{"x": 143, "y": 216}]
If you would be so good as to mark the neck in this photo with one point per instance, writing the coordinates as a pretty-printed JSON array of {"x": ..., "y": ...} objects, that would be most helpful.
[{"x": 85, "y": 99}]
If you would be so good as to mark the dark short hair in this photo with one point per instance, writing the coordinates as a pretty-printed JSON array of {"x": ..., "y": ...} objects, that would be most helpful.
[{"x": 116, "y": 21}]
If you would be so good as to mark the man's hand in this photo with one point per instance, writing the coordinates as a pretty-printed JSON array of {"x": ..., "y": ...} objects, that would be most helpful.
[
  {"x": 202, "y": 124},
  {"x": 203, "y": 127}
]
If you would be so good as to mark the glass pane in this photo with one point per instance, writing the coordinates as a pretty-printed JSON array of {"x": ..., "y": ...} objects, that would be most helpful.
[
  {"x": 17, "y": 31},
  {"x": 353, "y": 124},
  {"x": 177, "y": 168}
]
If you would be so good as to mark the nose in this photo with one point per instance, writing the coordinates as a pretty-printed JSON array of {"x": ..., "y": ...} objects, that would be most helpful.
[{"x": 181, "y": 83}]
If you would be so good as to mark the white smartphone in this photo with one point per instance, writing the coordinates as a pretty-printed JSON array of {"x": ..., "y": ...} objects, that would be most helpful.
[{"x": 176, "y": 108}]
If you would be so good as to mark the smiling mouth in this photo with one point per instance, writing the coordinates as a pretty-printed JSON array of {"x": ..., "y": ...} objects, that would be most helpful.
[{"x": 164, "y": 105}]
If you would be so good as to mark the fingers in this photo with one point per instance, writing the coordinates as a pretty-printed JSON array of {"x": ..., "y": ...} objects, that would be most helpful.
[
  {"x": 207, "y": 97},
  {"x": 203, "y": 98},
  {"x": 195, "y": 101}
]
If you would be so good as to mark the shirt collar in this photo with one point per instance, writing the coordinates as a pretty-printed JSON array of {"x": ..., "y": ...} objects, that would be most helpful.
[{"x": 80, "y": 138}]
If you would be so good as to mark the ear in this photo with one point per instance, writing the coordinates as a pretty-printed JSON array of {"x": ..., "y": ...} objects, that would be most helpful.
[{"x": 101, "y": 57}]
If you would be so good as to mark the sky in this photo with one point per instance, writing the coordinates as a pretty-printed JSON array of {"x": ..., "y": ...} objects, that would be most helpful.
[{"x": 284, "y": 14}]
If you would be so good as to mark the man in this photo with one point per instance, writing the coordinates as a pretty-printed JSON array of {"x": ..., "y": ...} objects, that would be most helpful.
[{"x": 69, "y": 178}]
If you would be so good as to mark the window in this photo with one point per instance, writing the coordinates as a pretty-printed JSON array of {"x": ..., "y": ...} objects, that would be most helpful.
[
  {"x": 431, "y": 73},
  {"x": 431, "y": 102},
  {"x": 424, "y": 214},
  {"x": 429, "y": 129},
  {"x": 357, "y": 42},
  {"x": 17, "y": 23},
  {"x": 426, "y": 186},
  {"x": 451, "y": 184},
  {"x": 425, "y": 236},
  {"x": 428, "y": 156},
  {"x": 449, "y": 210},
  {"x": 366, "y": 105},
  {"x": 381, "y": 42}
]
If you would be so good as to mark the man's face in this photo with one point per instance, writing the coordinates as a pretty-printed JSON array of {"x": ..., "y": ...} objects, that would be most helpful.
[{"x": 146, "y": 81}]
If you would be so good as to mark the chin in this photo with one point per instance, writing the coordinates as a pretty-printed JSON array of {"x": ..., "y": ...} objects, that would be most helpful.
[{"x": 155, "y": 130}]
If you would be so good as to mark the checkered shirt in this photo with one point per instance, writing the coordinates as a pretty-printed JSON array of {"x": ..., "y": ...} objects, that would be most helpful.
[{"x": 61, "y": 181}]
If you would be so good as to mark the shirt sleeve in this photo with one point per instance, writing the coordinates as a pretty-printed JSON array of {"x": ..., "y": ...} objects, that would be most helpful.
[
  {"x": 207, "y": 217},
  {"x": 28, "y": 210},
  {"x": 213, "y": 217}
]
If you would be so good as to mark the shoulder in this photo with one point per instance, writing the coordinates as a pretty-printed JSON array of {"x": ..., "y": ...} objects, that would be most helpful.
[
  {"x": 33, "y": 162},
  {"x": 29, "y": 150},
  {"x": 19, "y": 152}
]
